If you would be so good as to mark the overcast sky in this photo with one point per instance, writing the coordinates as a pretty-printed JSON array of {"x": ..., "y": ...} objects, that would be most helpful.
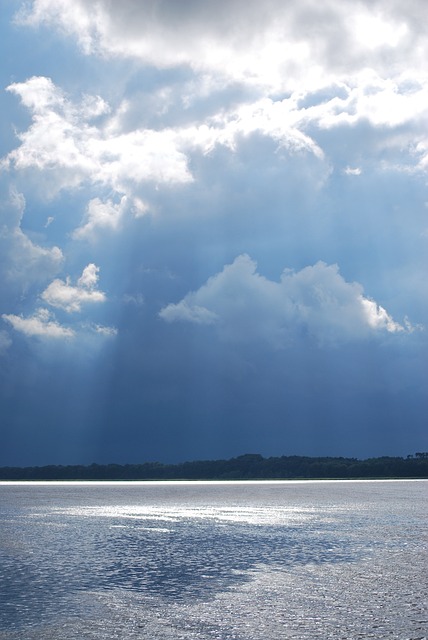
[{"x": 214, "y": 229}]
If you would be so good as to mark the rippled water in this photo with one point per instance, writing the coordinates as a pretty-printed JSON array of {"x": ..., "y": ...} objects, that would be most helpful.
[{"x": 230, "y": 560}]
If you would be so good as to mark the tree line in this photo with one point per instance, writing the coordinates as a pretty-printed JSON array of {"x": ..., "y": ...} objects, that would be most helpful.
[{"x": 244, "y": 467}]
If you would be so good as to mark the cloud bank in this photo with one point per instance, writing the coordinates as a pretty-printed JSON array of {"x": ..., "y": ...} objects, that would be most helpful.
[{"x": 282, "y": 45}]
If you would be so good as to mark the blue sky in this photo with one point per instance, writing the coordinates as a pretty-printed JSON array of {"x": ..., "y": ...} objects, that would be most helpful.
[{"x": 214, "y": 229}]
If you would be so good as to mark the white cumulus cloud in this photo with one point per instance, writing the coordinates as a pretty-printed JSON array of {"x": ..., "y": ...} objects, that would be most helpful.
[
  {"x": 67, "y": 148},
  {"x": 101, "y": 215},
  {"x": 317, "y": 301},
  {"x": 368, "y": 56},
  {"x": 62, "y": 143},
  {"x": 89, "y": 277},
  {"x": 41, "y": 325},
  {"x": 66, "y": 145},
  {"x": 63, "y": 295}
]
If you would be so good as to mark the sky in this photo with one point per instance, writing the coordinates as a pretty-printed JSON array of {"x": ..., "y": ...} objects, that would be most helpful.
[{"x": 213, "y": 229}]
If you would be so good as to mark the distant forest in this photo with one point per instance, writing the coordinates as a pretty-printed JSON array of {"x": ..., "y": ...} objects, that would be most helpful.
[{"x": 245, "y": 467}]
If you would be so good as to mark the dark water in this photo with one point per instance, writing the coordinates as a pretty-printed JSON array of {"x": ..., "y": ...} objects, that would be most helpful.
[{"x": 247, "y": 561}]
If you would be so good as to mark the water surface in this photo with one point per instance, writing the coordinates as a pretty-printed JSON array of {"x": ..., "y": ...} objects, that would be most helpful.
[{"x": 208, "y": 560}]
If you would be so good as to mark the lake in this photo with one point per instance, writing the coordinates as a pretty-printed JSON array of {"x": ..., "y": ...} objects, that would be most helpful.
[{"x": 214, "y": 560}]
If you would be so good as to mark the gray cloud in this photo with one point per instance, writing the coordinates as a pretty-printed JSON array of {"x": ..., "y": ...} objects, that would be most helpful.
[{"x": 274, "y": 42}]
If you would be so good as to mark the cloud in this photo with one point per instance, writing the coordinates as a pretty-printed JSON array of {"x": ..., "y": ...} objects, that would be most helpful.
[
  {"x": 101, "y": 215},
  {"x": 316, "y": 301},
  {"x": 383, "y": 102},
  {"x": 273, "y": 119},
  {"x": 67, "y": 146},
  {"x": 5, "y": 342},
  {"x": 63, "y": 295},
  {"x": 349, "y": 171},
  {"x": 377, "y": 318},
  {"x": 102, "y": 330},
  {"x": 89, "y": 277},
  {"x": 56, "y": 138},
  {"x": 22, "y": 262},
  {"x": 135, "y": 299},
  {"x": 63, "y": 144},
  {"x": 40, "y": 325},
  {"x": 300, "y": 90},
  {"x": 274, "y": 43},
  {"x": 189, "y": 311}
]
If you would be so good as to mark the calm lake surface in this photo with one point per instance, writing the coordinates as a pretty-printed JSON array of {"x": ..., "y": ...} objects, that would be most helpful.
[{"x": 229, "y": 560}]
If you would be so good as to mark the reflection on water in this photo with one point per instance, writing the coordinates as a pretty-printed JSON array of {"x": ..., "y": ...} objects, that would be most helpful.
[{"x": 214, "y": 560}]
